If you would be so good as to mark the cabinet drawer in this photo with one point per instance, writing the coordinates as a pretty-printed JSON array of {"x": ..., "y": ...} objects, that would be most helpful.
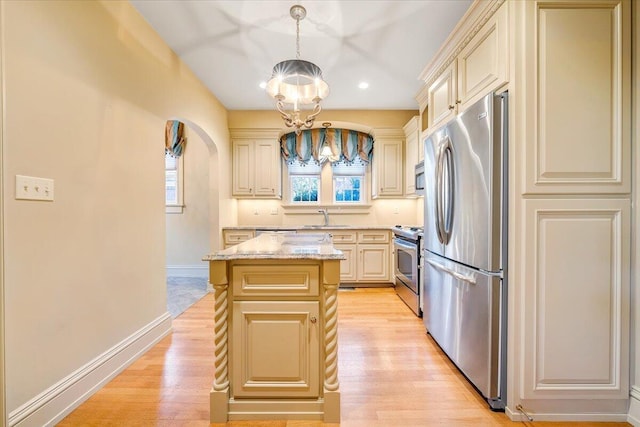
[
  {"x": 343, "y": 236},
  {"x": 233, "y": 237},
  {"x": 275, "y": 280},
  {"x": 373, "y": 236}
]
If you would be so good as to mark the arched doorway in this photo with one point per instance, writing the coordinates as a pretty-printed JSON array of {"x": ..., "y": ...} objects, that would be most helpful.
[{"x": 192, "y": 225}]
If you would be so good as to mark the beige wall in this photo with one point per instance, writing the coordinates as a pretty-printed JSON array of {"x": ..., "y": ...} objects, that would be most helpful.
[
  {"x": 188, "y": 232},
  {"x": 88, "y": 88},
  {"x": 382, "y": 212}
]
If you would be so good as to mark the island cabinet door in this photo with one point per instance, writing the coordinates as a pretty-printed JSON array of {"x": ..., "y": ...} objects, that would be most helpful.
[{"x": 276, "y": 349}]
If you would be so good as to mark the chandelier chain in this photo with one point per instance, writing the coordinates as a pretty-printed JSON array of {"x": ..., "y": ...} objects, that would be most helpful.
[{"x": 297, "y": 37}]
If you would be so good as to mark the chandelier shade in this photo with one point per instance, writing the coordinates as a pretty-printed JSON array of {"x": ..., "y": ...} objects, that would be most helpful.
[{"x": 296, "y": 83}]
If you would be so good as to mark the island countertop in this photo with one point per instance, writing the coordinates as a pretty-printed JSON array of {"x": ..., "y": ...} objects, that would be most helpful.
[{"x": 281, "y": 246}]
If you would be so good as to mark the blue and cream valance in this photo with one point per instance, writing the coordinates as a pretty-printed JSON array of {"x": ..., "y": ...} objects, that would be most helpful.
[
  {"x": 174, "y": 138},
  {"x": 346, "y": 145}
]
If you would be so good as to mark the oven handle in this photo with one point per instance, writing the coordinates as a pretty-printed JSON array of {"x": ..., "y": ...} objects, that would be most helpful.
[
  {"x": 464, "y": 278},
  {"x": 405, "y": 245}
]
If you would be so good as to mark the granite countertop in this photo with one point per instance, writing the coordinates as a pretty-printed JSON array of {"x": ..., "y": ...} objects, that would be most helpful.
[
  {"x": 318, "y": 228},
  {"x": 281, "y": 246}
]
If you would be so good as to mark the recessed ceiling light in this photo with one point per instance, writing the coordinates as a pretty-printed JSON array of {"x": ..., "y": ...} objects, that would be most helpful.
[
  {"x": 363, "y": 85},
  {"x": 263, "y": 85}
]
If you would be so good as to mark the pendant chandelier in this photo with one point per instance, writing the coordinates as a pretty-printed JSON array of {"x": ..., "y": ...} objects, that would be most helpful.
[{"x": 296, "y": 82}]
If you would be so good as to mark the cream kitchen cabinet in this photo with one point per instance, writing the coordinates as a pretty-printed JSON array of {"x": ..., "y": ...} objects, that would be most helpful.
[
  {"x": 374, "y": 256},
  {"x": 345, "y": 241},
  {"x": 480, "y": 67},
  {"x": 256, "y": 164},
  {"x": 367, "y": 254},
  {"x": 275, "y": 333},
  {"x": 572, "y": 203},
  {"x": 411, "y": 154},
  {"x": 290, "y": 369},
  {"x": 387, "y": 167},
  {"x": 569, "y": 194},
  {"x": 232, "y": 237}
]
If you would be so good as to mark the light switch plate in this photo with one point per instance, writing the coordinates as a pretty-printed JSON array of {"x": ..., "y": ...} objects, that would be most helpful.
[{"x": 34, "y": 188}]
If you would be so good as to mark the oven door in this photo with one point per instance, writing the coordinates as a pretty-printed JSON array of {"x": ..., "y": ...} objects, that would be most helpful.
[{"x": 406, "y": 262}]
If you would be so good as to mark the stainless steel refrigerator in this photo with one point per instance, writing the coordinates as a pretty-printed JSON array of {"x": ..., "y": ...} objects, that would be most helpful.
[{"x": 465, "y": 243}]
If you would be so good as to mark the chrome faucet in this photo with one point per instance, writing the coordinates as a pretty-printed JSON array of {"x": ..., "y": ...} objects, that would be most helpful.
[{"x": 326, "y": 216}]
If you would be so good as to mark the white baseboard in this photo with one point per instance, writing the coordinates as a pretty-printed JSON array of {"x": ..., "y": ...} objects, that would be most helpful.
[
  {"x": 515, "y": 415},
  {"x": 188, "y": 270},
  {"x": 633, "y": 417},
  {"x": 55, "y": 403}
]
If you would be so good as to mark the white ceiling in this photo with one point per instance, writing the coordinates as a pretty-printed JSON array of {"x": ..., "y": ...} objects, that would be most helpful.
[{"x": 232, "y": 46}]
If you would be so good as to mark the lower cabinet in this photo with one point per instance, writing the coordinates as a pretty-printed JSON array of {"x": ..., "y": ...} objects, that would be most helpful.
[
  {"x": 348, "y": 271},
  {"x": 367, "y": 255},
  {"x": 373, "y": 263},
  {"x": 290, "y": 369},
  {"x": 276, "y": 341}
]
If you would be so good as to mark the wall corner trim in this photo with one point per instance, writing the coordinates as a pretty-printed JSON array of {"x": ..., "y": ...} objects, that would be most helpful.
[{"x": 56, "y": 402}]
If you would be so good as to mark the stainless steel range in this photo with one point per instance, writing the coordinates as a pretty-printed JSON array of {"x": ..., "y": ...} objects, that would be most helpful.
[{"x": 407, "y": 253}]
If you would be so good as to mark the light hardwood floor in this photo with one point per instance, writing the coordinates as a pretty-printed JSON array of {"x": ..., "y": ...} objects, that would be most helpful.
[{"x": 391, "y": 374}]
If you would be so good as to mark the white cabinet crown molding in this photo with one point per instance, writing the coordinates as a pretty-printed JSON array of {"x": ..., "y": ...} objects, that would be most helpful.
[{"x": 469, "y": 25}]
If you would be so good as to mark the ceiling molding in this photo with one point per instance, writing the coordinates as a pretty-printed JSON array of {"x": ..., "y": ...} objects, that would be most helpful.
[{"x": 470, "y": 24}]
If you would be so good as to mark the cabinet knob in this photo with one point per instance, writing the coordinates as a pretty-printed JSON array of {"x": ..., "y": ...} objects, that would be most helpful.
[
  {"x": 458, "y": 101},
  {"x": 451, "y": 107},
  {"x": 313, "y": 319}
]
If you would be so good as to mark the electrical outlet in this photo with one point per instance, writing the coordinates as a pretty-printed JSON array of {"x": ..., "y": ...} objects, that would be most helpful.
[
  {"x": 396, "y": 210},
  {"x": 33, "y": 188},
  {"x": 256, "y": 212},
  {"x": 274, "y": 211}
]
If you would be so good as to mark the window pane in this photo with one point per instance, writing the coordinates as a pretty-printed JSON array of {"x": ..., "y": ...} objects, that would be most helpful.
[
  {"x": 171, "y": 187},
  {"x": 170, "y": 162},
  {"x": 347, "y": 189},
  {"x": 304, "y": 189}
]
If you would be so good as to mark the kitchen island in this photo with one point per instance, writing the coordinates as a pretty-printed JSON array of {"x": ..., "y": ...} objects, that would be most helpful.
[{"x": 276, "y": 338}]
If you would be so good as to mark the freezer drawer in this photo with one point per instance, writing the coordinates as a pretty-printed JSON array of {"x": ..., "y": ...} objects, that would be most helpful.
[{"x": 462, "y": 314}]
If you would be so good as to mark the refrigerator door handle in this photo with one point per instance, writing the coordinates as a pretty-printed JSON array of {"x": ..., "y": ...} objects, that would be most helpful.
[
  {"x": 447, "y": 155},
  {"x": 439, "y": 196},
  {"x": 463, "y": 277}
]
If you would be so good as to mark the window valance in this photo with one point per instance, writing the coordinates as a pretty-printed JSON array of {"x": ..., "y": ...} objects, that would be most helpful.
[
  {"x": 174, "y": 139},
  {"x": 346, "y": 145}
]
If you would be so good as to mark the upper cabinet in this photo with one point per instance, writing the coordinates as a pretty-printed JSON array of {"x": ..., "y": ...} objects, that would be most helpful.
[
  {"x": 479, "y": 67},
  {"x": 411, "y": 154},
  {"x": 387, "y": 167},
  {"x": 256, "y": 164},
  {"x": 576, "y": 117}
]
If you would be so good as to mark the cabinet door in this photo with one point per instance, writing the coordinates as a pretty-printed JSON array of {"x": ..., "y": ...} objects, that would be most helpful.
[
  {"x": 267, "y": 167},
  {"x": 348, "y": 269},
  {"x": 276, "y": 349},
  {"x": 243, "y": 169},
  {"x": 387, "y": 179},
  {"x": 482, "y": 64},
  {"x": 373, "y": 263},
  {"x": 577, "y": 53},
  {"x": 442, "y": 97},
  {"x": 576, "y": 261},
  {"x": 411, "y": 156}
]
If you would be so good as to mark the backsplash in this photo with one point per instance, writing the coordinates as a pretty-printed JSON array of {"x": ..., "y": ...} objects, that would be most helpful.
[{"x": 380, "y": 212}]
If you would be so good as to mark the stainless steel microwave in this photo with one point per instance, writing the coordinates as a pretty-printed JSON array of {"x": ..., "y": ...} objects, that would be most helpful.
[{"x": 420, "y": 179}]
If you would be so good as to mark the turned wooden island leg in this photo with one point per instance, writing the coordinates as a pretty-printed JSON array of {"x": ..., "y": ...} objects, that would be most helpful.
[
  {"x": 331, "y": 385},
  {"x": 219, "y": 396}
]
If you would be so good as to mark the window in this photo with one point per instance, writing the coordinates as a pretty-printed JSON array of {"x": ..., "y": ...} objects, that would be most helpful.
[
  {"x": 348, "y": 182},
  {"x": 304, "y": 182},
  {"x": 173, "y": 183}
]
